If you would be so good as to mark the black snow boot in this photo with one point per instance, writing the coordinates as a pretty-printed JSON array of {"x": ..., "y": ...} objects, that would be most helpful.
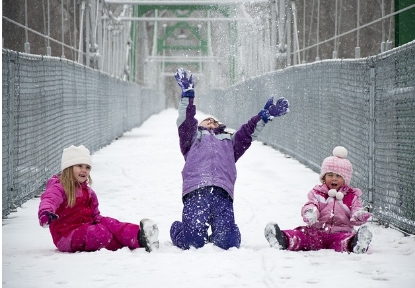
[
  {"x": 361, "y": 240},
  {"x": 148, "y": 235},
  {"x": 275, "y": 236}
]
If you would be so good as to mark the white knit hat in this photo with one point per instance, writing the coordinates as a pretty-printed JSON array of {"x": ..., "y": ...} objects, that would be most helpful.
[
  {"x": 75, "y": 155},
  {"x": 337, "y": 164}
]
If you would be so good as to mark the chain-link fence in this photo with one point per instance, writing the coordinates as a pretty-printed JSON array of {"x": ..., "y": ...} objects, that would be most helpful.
[
  {"x": 51, "y": 103},
  {"x": 366, "y": 105}
]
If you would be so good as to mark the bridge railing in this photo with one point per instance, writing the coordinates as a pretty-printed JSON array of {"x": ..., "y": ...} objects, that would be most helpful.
[
  {"x": 51, "y": 103},
  {"x": 366, "y": 105}
]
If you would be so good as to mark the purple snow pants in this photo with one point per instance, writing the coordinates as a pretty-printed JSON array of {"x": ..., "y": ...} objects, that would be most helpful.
[
  {"x": 204, "y": 207},
  {"x": 308, "y": 238},
  {"x": 109, "y": 233}
]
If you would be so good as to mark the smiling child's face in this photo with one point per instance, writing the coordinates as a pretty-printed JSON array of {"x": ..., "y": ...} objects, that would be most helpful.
[
  {"x": 81, "y": 172},
  {"x": 209, "y": 123}
]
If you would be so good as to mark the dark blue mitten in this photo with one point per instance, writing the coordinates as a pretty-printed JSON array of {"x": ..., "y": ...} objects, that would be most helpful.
[
  {"x": 281, "y": 107},
  {"x": 186, "y": 84},
  {"x": 271, "y": 110}
]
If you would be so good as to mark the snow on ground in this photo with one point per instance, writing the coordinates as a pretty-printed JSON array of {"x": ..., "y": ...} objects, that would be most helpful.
[{"x": 139, "y": 175}]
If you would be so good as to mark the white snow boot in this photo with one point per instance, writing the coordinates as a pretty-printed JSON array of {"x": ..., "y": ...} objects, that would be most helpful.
[
  {"x": 275, "y": 236},
  {"x": 361, "y": 240},
  {"x": 148, "y": 235}
]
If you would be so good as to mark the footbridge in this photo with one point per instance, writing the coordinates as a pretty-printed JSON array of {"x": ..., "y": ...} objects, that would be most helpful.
[{"x": 85, "y": 72}]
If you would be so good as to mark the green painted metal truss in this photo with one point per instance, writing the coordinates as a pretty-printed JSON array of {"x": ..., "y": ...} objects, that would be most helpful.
[{"x": 167, "y": 43}]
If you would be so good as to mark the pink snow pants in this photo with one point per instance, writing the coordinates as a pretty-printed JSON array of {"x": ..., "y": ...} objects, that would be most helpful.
[
  {"x": 109, "y": 233},
  {"x": 308, "y": 238}
]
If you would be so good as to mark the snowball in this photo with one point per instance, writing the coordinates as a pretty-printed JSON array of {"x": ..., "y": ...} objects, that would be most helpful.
[{"x": 340, "y": 152}]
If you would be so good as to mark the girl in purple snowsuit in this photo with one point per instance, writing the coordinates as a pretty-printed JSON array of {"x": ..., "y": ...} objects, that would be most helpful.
[
  {"x": 332, "y": 211},
  {"x": 70, "y": 208},
  {"x": 209, "y": 172}
]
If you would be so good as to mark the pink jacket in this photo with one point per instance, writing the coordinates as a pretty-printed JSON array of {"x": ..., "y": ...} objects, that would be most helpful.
[
  {"x": 84, "y": 211},
  {"x": 335, "y": 215}
]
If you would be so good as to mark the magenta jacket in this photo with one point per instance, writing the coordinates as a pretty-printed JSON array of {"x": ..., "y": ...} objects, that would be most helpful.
[
  {"x": 84, "y": 211},
  {"x": 334, "y": 215}
]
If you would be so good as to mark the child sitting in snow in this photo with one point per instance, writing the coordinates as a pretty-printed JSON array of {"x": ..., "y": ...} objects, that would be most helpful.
[
  {"x": 209, "y": 172},
  {"x": 70, "y": 208},
  {"x": 332, "y": 211}
]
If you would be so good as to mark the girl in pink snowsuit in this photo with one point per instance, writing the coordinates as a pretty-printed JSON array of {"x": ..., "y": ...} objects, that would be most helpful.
[
  {"x": 70, "y": 208},
  {"x": 331, "y": 212}
]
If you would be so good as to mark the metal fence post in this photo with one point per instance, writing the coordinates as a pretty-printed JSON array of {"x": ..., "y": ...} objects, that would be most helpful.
[
  {"x": 26, "y": 44},
  {"x": 372, "y": 91},
  {"x": 335, "y": 33},
  {"x": 48, "y": 48},
  {"x": 63, "y": 31},
  {"x": 357, "y": 48},
  {"x": 11, "y": 96},
  {"x": 87, "y": 33},
  {"x": 81, "y": 31},
  {"x": 318, "y": 30}
]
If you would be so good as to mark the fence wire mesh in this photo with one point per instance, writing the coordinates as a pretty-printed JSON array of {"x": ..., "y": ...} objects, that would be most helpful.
[
  {"x": 51, "y": 103},
  {"x": 366, "y": 105}
]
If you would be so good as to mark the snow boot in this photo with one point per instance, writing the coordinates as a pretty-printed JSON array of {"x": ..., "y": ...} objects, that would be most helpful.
[
  {"x": 148, "y": 235},
  {"x": 361, "y": 240},
  {"x": 275, "y": 236}
]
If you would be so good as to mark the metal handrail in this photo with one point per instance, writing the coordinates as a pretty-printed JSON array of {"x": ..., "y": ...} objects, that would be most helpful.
[
  {"x": 356, "y": 29},
  {"x": 202, "y": 19},
  {"x": 42, "y": 35},
  {"x": 181, "y": 2}
]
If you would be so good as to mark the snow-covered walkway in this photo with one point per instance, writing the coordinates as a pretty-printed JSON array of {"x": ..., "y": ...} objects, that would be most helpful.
[{"x": 139, "y": 175}]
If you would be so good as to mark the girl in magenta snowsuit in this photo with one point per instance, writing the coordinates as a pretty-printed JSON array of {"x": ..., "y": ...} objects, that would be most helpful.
[
  {"x": 209, "y": 173},
  {"x": 70, "y": 208},
  {"x": 332, "y": 211}
]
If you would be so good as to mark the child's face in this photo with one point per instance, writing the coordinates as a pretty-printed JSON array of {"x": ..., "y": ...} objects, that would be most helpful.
[
  {"x": 333, "y": 181},
  {"x": 81, "y": 172},
  {"x": 209, "y": 123}
]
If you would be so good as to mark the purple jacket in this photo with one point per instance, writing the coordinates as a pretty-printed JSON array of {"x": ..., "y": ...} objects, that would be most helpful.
[
  {"x": 211, "y": 155},
  {"x": 84, "y": 211},
  {"x": 334, "y": 215}
]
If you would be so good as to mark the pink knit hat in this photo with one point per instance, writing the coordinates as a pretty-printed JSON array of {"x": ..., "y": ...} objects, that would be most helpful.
[{"x": 337, "y": 164}]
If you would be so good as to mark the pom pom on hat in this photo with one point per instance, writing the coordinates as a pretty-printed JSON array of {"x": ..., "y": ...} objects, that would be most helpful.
[
  {"x": 333, "y": 193},
  {"x": 337, "y": 164},
  {"x": 340, "y": 152},
  {"x": 75, "y": 155}
]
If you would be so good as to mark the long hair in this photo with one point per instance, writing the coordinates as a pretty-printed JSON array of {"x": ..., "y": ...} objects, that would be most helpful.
[{"x": 70, "y": 185}]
